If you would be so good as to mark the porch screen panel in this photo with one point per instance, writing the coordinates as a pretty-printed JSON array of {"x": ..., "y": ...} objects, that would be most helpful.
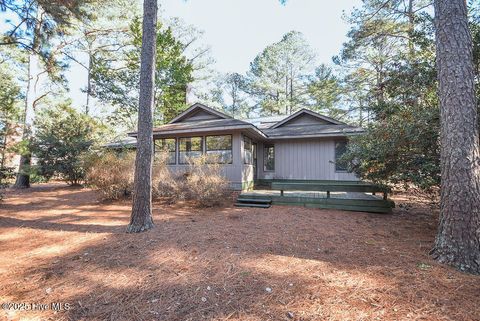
[
  {"x": 340, "y": 149},
  {"x": 169, "y": 146},
  {"x": 269, "y": 158},
  {"x": 189, "y": 147},
  {"x": 220, "y": 148},
  {"x": 247, "y": 151}
]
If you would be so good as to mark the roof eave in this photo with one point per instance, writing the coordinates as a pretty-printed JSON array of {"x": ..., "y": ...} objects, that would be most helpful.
[
  {"x": 329, "y": 135},
  {"x": 206, "y": 129}
]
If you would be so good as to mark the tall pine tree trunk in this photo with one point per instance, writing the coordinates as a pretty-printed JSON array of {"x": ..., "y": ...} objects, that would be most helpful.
[
  {"x": 141, "y": 219},
  {"x": 458, "y": 238},
  {"x": 23, "y": 175}
]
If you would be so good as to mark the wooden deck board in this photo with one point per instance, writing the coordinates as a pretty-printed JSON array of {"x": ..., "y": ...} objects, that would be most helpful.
[{"x": 350, "y": 201}]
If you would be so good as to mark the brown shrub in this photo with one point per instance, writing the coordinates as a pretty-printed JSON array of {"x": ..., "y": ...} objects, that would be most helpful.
[
  {"x": 112, "y": 174},
  {"x": 165, "y": 184},
  {"x": 202, "y": 182}
]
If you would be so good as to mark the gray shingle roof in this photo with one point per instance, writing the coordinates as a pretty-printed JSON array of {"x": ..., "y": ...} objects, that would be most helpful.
[
  {"x": 265, "y": 122},
  {"x": 129, "y": 142},
  {"x": 212, "y": 123},
  {"x": 312, "y": 130},
  {"x": 259, "y": 126},
  {"x": 280, "y": 132}
]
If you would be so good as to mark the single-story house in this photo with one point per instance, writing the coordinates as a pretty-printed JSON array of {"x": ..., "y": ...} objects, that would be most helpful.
[{"x": 301, "y": 146}]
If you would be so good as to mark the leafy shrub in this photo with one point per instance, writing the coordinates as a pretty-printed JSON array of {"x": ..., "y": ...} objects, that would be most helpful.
[
  {"x": 36, "y": 175},
  {"x": 63, "y": 136},
  {"x": 402, "y": 149},
  {"x": 6, "y": 175},
  {"x": 112, "y": 174}
]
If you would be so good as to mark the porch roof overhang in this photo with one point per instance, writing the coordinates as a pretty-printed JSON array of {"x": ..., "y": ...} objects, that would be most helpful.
[
  {"x": 202, "y": 127},
  {"x": 256, "y": 133},
  {"x": 227, "y": 129},
  {"x": 230, "y": 125}
]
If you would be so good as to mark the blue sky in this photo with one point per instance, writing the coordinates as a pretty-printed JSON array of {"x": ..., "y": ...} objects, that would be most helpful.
[{"x": 237, "y": 30}]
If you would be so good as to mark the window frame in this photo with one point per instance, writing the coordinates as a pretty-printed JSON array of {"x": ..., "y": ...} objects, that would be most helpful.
[
  {"x": 265, "y": 146},
  {"x": 231, "y": 147},
  {"x": 202, "y": 147},
  {"x": 337, "y": 170},
  {"x": 175, "y": 151}
]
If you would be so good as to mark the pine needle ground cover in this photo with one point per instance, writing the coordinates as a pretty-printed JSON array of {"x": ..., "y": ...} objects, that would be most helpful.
[{"x": 63, "y": 245}]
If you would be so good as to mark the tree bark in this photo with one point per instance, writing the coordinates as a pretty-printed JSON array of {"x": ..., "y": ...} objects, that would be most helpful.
[
  {"x": 23, "y": 175},
  {"x": 89, "y": 83},
  {"x": 141, "y": 219},
  {"x": 458, "y": 239}
]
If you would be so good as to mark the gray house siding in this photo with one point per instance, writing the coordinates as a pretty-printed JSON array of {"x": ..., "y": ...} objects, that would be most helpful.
[
  {"x": 304, "y": 159},
  {"x": 200, "y": 115},
  {"x": 304, "y": 144},
  {"x": 304, "y": 120},
  {"x": 233, "y": 172},
  {"x": 294, "y": 159}
]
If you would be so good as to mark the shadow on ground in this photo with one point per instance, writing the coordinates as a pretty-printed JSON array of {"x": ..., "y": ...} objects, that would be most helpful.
[{"x": 282, "y": 263}]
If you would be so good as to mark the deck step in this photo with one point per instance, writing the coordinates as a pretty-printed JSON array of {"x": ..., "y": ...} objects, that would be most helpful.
[
  {"x": 252, "y": 205},
  {"x": 253, "y": 200}
]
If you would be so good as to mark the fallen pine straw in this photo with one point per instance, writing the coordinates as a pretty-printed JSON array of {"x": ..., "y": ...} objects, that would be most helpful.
[{"x": 60, "y": 244}]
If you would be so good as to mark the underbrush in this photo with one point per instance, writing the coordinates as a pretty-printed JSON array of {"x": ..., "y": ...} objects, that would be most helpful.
[
  {"x": 201, "y": 182},
  {"x": 112, "y": 175},
  {"x": 7, "y": 175}
]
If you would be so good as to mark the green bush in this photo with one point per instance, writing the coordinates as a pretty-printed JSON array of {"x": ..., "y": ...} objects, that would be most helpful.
[
  {"x": 36, "y": 175},
  {"x": 62, "y": 138},
  {"x": 6, "y": 175},
  {"x": 402, "y": 149}
]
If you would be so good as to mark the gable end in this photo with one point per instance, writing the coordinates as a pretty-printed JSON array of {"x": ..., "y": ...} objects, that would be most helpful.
[
  {"x": 199, "y": 112},
  {"x": 306, "y": 117}
]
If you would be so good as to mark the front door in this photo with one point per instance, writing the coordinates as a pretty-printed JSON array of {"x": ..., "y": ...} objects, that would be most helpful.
[{"x": 254, "y": 152}]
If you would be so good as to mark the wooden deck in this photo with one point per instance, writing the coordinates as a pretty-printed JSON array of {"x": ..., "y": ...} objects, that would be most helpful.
[{"x": 351, "y": 201}]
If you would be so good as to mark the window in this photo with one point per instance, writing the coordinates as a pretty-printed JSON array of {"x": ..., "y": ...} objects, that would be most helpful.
[
  {"x": 247, "y": 150},
  {"x": 269, "y": 158},
  {"x": 167, "y": 145},
  {"x": 340, "y": 149},
  {"x": 189, "y": 147},
  {"x": 220, "y": 147}
]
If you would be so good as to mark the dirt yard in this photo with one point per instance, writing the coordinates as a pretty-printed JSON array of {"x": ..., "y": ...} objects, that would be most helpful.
[{"x": 61, "y": 245}]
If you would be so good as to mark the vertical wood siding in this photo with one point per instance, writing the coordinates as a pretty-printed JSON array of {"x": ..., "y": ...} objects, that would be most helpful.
[
  {"x": 306, "y": 159},
  {"x": 294, "y": 159}
]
